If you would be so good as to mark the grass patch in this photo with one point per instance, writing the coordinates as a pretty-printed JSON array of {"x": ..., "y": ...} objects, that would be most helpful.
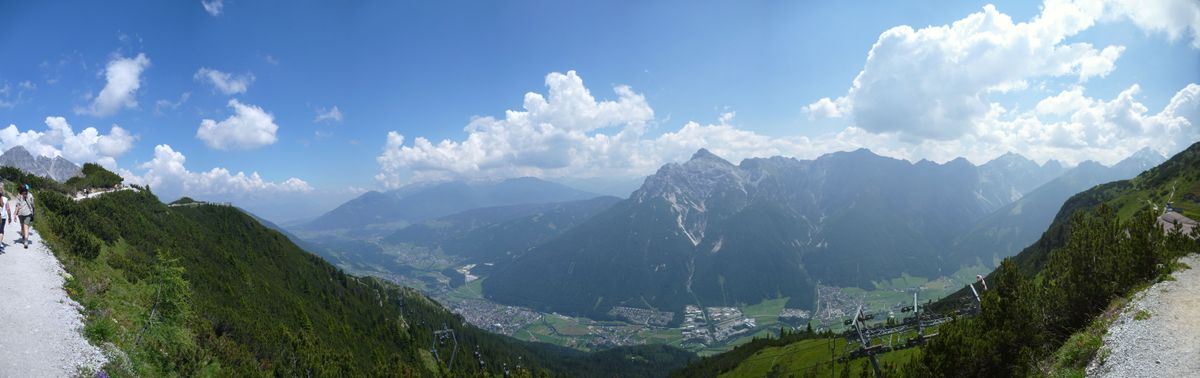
[
  {"x": 1141, "y": 315},
  {"x": 1074, "y": 355},
  {"x": 811, "y": 358}
]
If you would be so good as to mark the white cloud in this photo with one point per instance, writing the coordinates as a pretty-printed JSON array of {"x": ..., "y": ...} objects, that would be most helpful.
[
  {"x": 9, "y": 97},
  {"x": 213, "y": 7},
  {"x": 934, "y": 82},
  {"x": 5, "y": 92},
  {"x": 555, "y": 132},
  {"x": 123, "y": 78},
  {"x": 330, "y": 115},
  {"x": 826, "y": 108},
  {"x": 249, "y": 127},
  {"x": 227, "y": 83},
  {"x": 1069, "y": 127},
  {"x": 1065, "y": 102},
  {"x": 1176, "y": 18},
  {"x": 570, "y": 134},
  {"x": 162, "y": 105},
  {"x": 88, "y": 146},
  {"x": 166, "y": 173}
]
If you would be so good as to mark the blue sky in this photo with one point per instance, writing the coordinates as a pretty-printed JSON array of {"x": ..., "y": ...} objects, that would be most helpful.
[{"x": 241, "y": 86}]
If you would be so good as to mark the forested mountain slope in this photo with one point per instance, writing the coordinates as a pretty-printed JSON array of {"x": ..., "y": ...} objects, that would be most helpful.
[{"x": 1104, "y": 243}]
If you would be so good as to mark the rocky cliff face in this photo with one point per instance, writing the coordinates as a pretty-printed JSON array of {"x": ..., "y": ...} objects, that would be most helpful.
[{"x": 57, "y": 168}]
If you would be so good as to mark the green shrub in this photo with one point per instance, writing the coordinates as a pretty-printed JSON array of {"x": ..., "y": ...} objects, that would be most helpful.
[
  {"x": 94, "y": 177},
  {"x": 101, "y": 329},
  {"x": 1078, "y": 350}
]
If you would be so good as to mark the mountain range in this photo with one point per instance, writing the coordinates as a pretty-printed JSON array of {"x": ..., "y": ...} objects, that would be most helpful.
[
  {"x": 57, "y": 168},
  {"x": 380, "y": 213},
  {"x": 1057, "y": 296},
  {"x": 499, "y": 234},
  {"x": 710, "y": 232},
  {"x": 1018, "y": 224}
]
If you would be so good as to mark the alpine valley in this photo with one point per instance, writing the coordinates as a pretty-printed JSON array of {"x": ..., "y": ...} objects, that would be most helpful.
[{"x": 760, "y": 236}]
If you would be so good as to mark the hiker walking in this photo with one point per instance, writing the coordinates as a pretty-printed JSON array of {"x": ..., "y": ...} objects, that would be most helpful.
[
  {"x": 4, "y": 213},
  {"x": 24, "y": 209}
]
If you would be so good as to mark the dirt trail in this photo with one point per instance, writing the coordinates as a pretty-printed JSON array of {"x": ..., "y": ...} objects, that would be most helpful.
[
  {"x": 40, "y": 326},
  {"x": 1167, "y": 344}
]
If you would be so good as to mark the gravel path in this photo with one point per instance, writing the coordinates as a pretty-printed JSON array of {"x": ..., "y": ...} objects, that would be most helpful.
[
  {"x": 1165, "y": 345},
  {"x": 40, "y": 326}
]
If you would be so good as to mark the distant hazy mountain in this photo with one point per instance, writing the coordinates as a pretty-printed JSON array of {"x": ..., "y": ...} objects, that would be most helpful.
[
  {"x": 710, "y": 232},
  {"x": 1008, "y": 177},
  {"x": 609, "y": 186},
  {"x": 1017, "y": 225},
  {"x": 498, "y": 234},
  {"x": 58, "y": 168},
  {"x": 401, "y": 207}
]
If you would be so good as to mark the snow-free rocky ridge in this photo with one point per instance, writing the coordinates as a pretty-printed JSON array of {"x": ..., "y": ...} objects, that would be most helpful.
[{"x": 40, "y": 326}]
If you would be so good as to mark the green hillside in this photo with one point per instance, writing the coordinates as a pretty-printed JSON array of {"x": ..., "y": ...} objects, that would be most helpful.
[
  {"x": 800, "y": 354},
  {"x": 1104, "y": 244},
  {"x": 206, "y": 290}
]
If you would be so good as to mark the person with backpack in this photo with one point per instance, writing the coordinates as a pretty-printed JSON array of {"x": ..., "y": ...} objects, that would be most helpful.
[{"x": 24, "y": 209}]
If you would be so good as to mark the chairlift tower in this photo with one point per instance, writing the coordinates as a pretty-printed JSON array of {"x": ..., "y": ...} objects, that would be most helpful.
[
  {"x": 442, "y": 334},
  {"x": 859, "y": 324}
]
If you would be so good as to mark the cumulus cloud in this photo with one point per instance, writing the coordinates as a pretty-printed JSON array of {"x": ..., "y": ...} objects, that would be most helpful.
[
  {"x": 1176, "y": 18},
  {"x": 167, "y": 173},
  {"x": 123, "y": 78},
  {"x": 249, "y": 127},
  {"x": 826, "y": 108},
  {"x": 331, "y": 115},
  {"x": 59, "y": 139},
  {"x": 213, "y": 7},
  {"x": 1068, "y": 126},
  {"x": 568, "y": 133},
  {"x": 935, "y": 82},
  {"x": 227, "y": 83},
  {"x": 565, "y": 128}
]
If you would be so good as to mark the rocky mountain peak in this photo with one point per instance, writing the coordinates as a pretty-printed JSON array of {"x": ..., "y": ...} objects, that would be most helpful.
[
  {"x": 1141, "y": 160},
  {"x": 704, "y": 153},
  {"x": 18, "y": 151},
  {"x": 1147, "y": 154},
  {"x": 1011, "y": 159},
  {"x": 57, "y": 168}
]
